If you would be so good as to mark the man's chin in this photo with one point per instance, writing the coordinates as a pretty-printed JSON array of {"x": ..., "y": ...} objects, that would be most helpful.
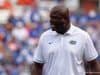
[
  {"x": 59, "y": 32},
  {"x": 53, "y": 29}
]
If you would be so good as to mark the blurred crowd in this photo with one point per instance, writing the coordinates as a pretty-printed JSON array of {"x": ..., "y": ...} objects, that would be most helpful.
[{"x": 21, "y": 25}]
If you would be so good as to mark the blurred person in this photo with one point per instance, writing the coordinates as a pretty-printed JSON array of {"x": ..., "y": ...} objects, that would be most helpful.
[
  {"x": 9, "y": 26},
  {"x": 20, "y": 32},
  {"x": 64, "y": 49},
  {"x": 2, "y": 44},
  {"x": 2, "y": 52},
  {"x": 25, "y": 70},
  {"x": 26, "y": 55},
  {"x": 2, "y": 69},
  {"x": 25, "y": 2},
  {"x": 8, "y": 29},
  {"x": 29, "y": 26},
  {"x": 34, "y": 33},
  {"x": 73, "y": 18},
  {"x": 96, "y": 38},
  {"x": 13, "y": 45},
  {"x": 36, "y": 30},
  {"x": 5, "y": 4},
  {"x": 2, "y": 34},
  {"x": 82, "y": 21},
  {"x": 14, "y": 48},
  {"x": 12, "y": 68}
]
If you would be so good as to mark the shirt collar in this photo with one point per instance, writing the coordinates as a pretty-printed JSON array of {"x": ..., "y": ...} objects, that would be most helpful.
[{"x": 70, "y": 31}]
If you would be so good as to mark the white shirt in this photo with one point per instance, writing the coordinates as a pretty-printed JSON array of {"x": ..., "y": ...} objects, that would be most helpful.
[
  {"x": 20, "y": 33},
  {"x": 65, "y": 54}
]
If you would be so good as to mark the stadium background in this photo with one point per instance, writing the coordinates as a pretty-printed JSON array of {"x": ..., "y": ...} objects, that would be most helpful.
[{"x": 23, "y": 21}]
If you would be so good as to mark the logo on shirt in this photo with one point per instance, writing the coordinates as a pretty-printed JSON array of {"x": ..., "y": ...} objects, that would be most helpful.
[
  {"x": 50, "y": 42},
  {"x": 73, "y": 42}
]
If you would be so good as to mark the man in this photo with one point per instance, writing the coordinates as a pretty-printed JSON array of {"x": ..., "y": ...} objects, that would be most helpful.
[{"x": 64, "y": 49}]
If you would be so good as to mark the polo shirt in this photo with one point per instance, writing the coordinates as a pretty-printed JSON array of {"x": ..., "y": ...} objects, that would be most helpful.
[{"x": 65, "y": 54}]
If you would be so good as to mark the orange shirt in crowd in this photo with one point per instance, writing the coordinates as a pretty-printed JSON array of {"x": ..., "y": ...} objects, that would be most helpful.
[
  {"x": 25, "y": 2},
  {"x": 6, "y": 5}
]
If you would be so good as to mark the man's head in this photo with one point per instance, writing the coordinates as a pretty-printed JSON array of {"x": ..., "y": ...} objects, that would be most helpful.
[{"x": 59, "y": 19}]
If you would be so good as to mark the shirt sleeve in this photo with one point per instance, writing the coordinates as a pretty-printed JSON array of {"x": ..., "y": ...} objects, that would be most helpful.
[
  {"x": 38, "y": 54},
  {"x": 90, "y": 52}
]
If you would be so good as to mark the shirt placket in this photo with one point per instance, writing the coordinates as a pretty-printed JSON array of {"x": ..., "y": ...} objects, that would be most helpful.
[{"x": 62, "y": 42}]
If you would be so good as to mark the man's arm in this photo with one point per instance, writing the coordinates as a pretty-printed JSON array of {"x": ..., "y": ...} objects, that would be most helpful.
[
  {"x": 94, "y": 67},
  {"x": 36, "y": 68}
]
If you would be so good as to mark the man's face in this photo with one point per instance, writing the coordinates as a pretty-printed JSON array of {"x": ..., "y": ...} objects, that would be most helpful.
[{"x": 59, "y": 21}]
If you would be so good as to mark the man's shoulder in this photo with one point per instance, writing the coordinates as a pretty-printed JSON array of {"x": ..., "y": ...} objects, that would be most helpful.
[
  {"x": 81, "y": 32},
  {"x": 46, "y": 34}
]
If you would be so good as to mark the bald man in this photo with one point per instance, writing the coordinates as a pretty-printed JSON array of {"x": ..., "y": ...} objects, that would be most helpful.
[{"x": 64, "y": 49}]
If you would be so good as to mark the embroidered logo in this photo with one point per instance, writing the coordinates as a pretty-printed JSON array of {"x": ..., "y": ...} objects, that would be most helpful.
[
  {"x": 50, "y": 42},
  {"x": 73, "y": 42}
]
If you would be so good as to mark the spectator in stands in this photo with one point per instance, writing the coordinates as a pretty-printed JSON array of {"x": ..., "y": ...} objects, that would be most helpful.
[
  {"x": 5, "y": 4},
  {"x": 20, "y": 32}
]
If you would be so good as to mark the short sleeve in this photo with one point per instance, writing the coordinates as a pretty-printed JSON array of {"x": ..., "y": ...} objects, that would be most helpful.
[
  {"x": 90, "y": 52},
  {"x": 38, "y": 54}
]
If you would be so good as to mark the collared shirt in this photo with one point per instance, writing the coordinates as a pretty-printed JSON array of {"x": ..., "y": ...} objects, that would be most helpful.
[{"x": 65, "y": 54}]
